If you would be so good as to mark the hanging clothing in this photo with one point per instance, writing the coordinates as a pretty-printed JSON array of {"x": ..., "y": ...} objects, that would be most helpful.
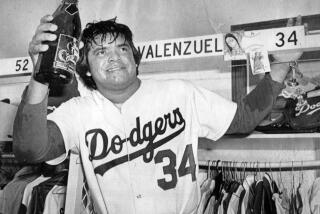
[
  {"x": 1, "y": 200},
  {"x": 218, "y": 185},
  {"x": 224, "y": 195},
  {"x": 218, "y": 201},
  {"x": 235, "y": 199},
  {"x": 13, "y": 191},
  {"x": 303, "y": 190},
  {"x": 263, "y": 196},
  {"x": 210, "y": 208},
  {"x": 258, "y": 197},
  {"x": 269, "y": 187},
  {"x": 39, "y": 192},
  {"x": 55, "y": 200},
  {"x": 231, "y": 190},
  {"x": 248, "y": 185},
  {"x": 205, "y": 196},
  {"x": 297, "y": 201},
  {"x": 241, "y": 200},
  {"x": 28, "y": 192},
  {"x": 277, "y": 199},
  {"x": 205, "y": 185},
  {"x": 315, "y": 197}
]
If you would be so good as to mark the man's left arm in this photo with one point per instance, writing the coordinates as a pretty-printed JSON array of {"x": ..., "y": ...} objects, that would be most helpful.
[
  {"x": 259, "y": 102},
  {"x": 255, "y": 106}
]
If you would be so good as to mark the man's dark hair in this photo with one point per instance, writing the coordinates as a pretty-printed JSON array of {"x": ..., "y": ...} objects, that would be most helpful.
[{"x": 89, "y": 34}]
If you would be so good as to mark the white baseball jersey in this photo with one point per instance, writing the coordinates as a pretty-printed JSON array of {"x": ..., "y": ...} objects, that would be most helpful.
[{"x": 142, "y": 158}]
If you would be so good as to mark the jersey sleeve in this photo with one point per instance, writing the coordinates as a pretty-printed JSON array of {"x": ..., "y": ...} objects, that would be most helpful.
[
  {"x": 214, "y": 113},
  {"x": 66, "y": 118},
  {"x": 255, "y": 106}
]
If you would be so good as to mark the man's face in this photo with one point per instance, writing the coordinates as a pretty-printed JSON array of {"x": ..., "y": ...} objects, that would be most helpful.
[{"x": 112, "y": 64}]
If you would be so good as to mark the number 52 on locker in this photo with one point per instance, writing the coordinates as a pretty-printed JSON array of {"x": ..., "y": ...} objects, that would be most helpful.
[{"x": 15, "y": 66}]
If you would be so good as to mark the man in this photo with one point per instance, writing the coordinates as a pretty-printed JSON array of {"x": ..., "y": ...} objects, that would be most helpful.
[{"x": 137, "y": 139}]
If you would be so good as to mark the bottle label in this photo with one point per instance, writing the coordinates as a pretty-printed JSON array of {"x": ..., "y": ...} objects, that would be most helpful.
[
  {"x": 72, "y": 9},
  {"x": 67, "y": 53}
]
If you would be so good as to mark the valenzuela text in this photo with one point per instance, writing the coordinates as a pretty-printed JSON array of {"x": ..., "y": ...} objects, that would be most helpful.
[{"x": 181, "y": 48}]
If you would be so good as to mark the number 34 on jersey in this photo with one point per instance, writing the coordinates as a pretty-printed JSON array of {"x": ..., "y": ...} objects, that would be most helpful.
[{"x": 173, "y": 170}]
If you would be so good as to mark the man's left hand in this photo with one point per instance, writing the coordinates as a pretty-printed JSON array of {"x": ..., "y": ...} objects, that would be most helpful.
[{"x": 280, "y": 67}]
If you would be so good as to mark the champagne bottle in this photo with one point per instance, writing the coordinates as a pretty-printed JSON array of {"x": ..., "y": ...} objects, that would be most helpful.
[{"x": 57, "y": 65}]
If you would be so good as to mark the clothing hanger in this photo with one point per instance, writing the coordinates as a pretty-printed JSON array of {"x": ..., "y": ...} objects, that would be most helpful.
[
  {"x": 279, "y": 180},
  {"x": 208, "y": 174},
  {"x": 298, "y": 202},
  {"x": 214, "y": 169},
  {"x": 217, "y": 166},
  {"x": 232, "y": 170},
  {"x": 293, "y": 179},
  {"x": 274, "y": 186},
  {"x": 302, "y": 174},
  {"x": 218, "y": 181},
  {"x": 252, "y": 166},
  {"x": 222, "y": 171},
  {"x": 268, "y": 174},
  {"x": 292, "y": 207},
  {"x": 226, "y": 171},
  {"x": 211, "y": 171},
  {"x": 258, "y": 172},
  {"x": 271, "y": 172},
  {"x": 236, "y": 175},
  {"x": 255, "y": 172},
  {"x": 243, "y": 173},
  {"x": 227, "y": 180},
  {"x": 224, "y": 174},
  {"x": 251, "y": 186},
  {"x": 208, "y": 171}
]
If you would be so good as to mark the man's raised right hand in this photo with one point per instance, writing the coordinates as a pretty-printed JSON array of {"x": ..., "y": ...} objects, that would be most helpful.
[{"x": 44, "y": 33}]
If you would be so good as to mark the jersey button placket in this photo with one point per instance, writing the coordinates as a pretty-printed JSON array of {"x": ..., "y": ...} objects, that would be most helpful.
[{"x": 131, "y": 164}]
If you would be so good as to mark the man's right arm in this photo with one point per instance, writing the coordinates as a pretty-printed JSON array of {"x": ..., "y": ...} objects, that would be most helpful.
[{"x": 35, "y": 139}]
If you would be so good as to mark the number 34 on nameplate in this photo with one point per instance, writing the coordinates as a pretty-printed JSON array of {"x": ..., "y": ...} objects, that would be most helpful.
[
  {"x": 289, "y": 38},
  {"x": 274, "y": 39}
]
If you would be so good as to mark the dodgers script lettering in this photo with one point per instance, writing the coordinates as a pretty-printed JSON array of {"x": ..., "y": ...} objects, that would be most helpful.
[
  {"x": 306, "y": 108},
  {"x": 145, "y": 134}
]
